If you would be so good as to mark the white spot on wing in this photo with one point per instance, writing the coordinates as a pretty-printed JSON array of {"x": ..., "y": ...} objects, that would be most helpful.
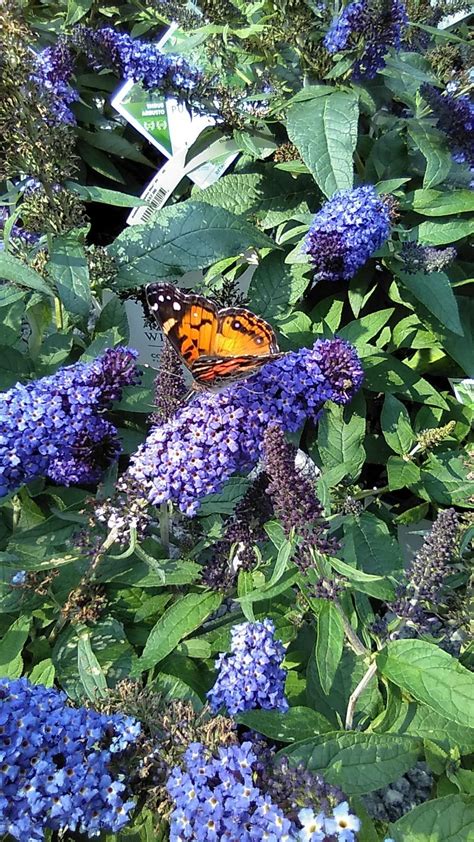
[
  {"x": 161, "y": 298},
  {"x": 176, "y": 305}
]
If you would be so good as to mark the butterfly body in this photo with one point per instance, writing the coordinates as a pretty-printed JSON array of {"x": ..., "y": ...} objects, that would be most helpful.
[{"x": 219, "y": 347}]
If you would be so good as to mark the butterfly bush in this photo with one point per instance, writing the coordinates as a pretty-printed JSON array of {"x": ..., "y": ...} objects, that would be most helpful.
[
  {"x": 251, "y": 676},
  {"x": 455, "y": 117},
  {"x": 52, "y": 74},
  {"x": 346, "y": 232},
  {"x": 208, "y": 440},
  {"x": 56, "y": 764},
  {"x": 239, "y": 794},
  {"x": 55, "y": 427},
  {"x": 135, "y": 59},
  {"x": 379, "y": 24}
]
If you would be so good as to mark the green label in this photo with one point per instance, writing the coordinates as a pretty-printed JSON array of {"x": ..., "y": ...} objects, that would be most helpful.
[{"x": 148, "y": 108}]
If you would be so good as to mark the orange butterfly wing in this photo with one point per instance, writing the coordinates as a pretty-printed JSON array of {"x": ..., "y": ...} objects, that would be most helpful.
[{"x": 216, "y": 345}]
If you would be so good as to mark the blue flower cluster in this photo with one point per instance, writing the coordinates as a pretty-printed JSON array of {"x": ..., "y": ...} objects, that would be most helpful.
[
  {"x": 346, "y": 232},
  {"x": 214, "y": 436},
  {"x": 135, "y": 59},
  {"x": 54, "y": 68},
  {"x": 455, "y": 117},
  {"x": 371, "y": 26},
  {"x": 223, "y": 796},
  {"x": 216, "y": 798},
  {"x": 55, "y": 764},
  {"x": 54, "y": 426},
  {"x": 251, "y": 676}
]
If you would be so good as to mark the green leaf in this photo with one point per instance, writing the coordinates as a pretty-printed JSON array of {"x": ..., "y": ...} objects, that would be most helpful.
[
  {"x": 99, "y": 161},
  {"x": 357, "y": 762},
  {"x": 115, "y": 144},
  {"x": 447, "y": 231},
  {"x": 105, "y": 197},
  {"x": 68, "y": 267},
  {"x": 341, "y": 435},
  {"x": 435, "y": 292},
  {"x": 238, "y": 193},
  {"x": 329, "y": 643},
  {"x": 448, "y": 819},
  {"x": 431, "y": 676},
  {"x": 396, "y": 427},
  {"x": 43, "y": 673},
  {"x": 90, "y": 670},
  {"x": 385, "y": 373},
  {"x": 113, "y": 315},
  {"x": 446, "y": 479},
  {"x": 364, "y": 329},
  {"x": 181, "y": 238},
  {"x": 461, "y": 349},
  {"x": 432, "y": 145},
  {"x": 378, "y": 586},
  {"x": 441, "y": 203},
  {"x": 11, "y": 645},
  {"x": 275, "y": 286},
  {"x": 76, "y": 9},
  {"x": 405, "y": 717},
  {"x": 110, "y": 647},
  {"x": 325, "y": 132},
  {"x": 349, "y": 673},
  {"x": 15, "y": 271},
  {"x": 13, "y": 367},
  {"x": 178, "y": 621},
  {"x": 402, "y": 473},
  {"x": 297, "y": 723},
  {"x": 224, "y": 502},
  {"x": 370, "y": 546}
]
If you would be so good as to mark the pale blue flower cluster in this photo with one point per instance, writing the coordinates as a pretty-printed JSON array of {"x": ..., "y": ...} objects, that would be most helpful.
[
  {"x": 250, "y": 676},
  {"x": 55, "y": 764},
  {"x": 223, "y": 797},
  {"x": 347, "y": 230},
  {"x": 216, "y": 799}
]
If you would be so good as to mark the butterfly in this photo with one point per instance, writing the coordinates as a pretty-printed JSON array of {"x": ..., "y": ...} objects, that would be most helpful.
[{"x": 219, "y": 347}]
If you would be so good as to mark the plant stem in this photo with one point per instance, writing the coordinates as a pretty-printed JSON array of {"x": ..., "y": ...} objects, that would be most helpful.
[
  {"x": 352, "y": 638},
  {"x": 365, "y": 680},
  {"x": 165, "y": 526}
]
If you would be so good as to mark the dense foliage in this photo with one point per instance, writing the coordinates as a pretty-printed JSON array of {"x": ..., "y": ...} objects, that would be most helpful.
[{"x": 247, "y": 615}]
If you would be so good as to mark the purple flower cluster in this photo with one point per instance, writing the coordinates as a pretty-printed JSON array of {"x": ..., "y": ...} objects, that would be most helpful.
[
  {"x": 215, "y": 798},
  {"x": 251, "y": 676},
  {"x": 346, "y": 232},
  {"x": 208, "y": 440},
  {"x": 417, "y": 258},
  {"x": 54, "y": 68},
  {"x": 135, "y": 59},
  {"x": 455, "y": 117},
  {"x": 55, "y": 764},
  {"x": 372, "y": 26},
  {"x": 55, "y": 427},
  {"x": 428, "y": 570}
]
